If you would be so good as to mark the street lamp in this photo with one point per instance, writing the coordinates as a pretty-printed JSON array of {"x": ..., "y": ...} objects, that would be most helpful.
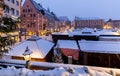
[{"x": 27, "y": 56}]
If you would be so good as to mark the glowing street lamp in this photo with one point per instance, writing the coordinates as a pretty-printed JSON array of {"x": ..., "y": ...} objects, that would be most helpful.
[{"x": 27, "y": 56}]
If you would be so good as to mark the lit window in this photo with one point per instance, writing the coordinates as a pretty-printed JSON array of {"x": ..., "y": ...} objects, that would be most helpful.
[
  {"x": 30, "y": 15},
  {"x": 34, "y": 20}
]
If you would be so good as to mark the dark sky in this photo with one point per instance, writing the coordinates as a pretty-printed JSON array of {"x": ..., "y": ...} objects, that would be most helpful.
[{"x": 104, "y": 9}]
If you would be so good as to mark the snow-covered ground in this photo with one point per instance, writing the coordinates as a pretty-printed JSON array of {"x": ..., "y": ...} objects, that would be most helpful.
[
  {"x": 59, "y": 70},
  {"x": 84, "y": 71}
]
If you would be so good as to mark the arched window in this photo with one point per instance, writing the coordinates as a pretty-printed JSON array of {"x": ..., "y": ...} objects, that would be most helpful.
[
  {"x": 17, "y": 12},
  {"x": 34, "y": 15},
  {"x": 12, "y": 11},
  {"x": 17, "y": 3},
  {"x": 13, "y": 1}
]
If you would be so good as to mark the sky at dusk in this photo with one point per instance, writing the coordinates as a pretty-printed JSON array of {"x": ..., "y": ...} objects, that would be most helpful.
[{"x": 104, "y": 9}]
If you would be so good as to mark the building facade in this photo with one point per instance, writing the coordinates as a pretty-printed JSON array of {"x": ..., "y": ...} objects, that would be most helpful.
[
  {"x": 13, "y": 9},
  {"x": 65, "y": 23},
  {"x": 36, "y": 19},
  {"x": 1, "y": 9},
  {"x": 113, "y": 23},
  {"x": 88, "y": 22},
  {"x": 108, "y": 24}
]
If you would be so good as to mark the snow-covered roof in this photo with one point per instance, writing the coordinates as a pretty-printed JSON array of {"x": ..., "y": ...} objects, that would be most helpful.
[
  {"x": 87, "y": 30},
  {"x": 39, "y": 8},
  {"x": 110, "y": 47},
  {"x": 71, "y": 44},
  {"x": 110, "y": 37},
  {"x": 63, "y": 18},
  {"x": 109, "y": 33},
  {"x": 36, "y": 5},
  {"x": 39, "y": 47},
  {"x": 88, "y": 18}
]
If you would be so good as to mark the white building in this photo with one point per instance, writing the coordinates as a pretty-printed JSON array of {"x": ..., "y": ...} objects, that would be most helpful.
[{"x": 13, "y": 9}]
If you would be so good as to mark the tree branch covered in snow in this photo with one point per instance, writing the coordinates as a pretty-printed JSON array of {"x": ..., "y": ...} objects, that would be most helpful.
[{"x": 57, "y": 55}]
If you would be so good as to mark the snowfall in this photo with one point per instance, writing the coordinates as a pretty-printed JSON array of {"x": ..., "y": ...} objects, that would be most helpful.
[{"x": 83, "y": 71}]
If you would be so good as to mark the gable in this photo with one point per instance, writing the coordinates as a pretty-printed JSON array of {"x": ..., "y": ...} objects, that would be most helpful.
[{"x": 28, "y": 5}]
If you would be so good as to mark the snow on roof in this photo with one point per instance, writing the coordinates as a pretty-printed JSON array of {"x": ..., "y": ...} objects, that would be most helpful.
[
  {"x": 84, "y": 31},
  {"x": 109, "y": 33},
  {"x": 36, "y": 5},
  {"x": 71, "y": 44},
  {"x": 110, "y": 37},
  {"x": 88, "y": 18},
  {"x": 87, "y": 30},
  {"x": 63, "y": 18},
  {"x": 111, "y": 47},
  {"x": 40, "y": 48}
]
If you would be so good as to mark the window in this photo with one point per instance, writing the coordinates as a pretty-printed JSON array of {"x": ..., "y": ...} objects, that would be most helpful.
[
  {"x": 17, "y": 3},
  {"x": 24, "y": 15},
  {"x": 30, "y": 15},
  {"x": 28, "y": 10},
  {"x": 17, "y": 12},
  {"x": 23, "y": 10},
  {"x": 34, "y": 20},
  {"x": 32, "y": 25},
  {"x": 6, "y": 10},
  {"x": 34, "y": 15},
  {"x": 28, "y": 26},
  {"x": 12, "y": 11},
  {"x": 44, "y": 26},
  {"x": 13, "y": 1}
]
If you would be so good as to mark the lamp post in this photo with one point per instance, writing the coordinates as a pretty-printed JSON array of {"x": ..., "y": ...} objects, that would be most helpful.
[{"x": 27, "y": 57}]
